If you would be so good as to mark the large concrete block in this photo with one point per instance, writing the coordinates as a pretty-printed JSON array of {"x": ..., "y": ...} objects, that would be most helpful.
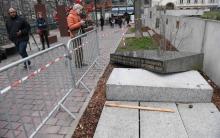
[
  {"x": 161, "y": 124},
  {"x": 167, "y": 62},
  {"x": 141, "y": 85},
  {"x": 201, "y": 121},
  {"x": 118, "y": 123}
]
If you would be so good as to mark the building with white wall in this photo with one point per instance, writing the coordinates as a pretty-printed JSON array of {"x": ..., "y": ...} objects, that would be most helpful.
[{"x": 186, "y": 4}]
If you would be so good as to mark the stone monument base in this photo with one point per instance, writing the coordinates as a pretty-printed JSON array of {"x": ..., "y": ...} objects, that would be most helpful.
[
  {"x": 168, "y": 62},
  {"x": 141, "y": 85}
]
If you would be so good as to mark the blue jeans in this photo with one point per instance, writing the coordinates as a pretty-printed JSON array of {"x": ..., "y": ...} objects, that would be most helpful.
[{"x": 21, "y": 48}]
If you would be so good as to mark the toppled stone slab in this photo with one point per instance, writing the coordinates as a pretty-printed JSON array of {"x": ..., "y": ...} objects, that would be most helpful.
[
  {"x": 141, "y": 85},
  {"x": 118, "y": 123},
  {"x": 201, "y": 120},
  {"x": 161, "y": 124},
  {"x": 168, "y": 62}
]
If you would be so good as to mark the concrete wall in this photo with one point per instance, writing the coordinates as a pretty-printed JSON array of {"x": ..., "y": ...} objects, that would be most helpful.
[
  {"x": 212, "y": 50},
  {"x": 194, "y": 35}
]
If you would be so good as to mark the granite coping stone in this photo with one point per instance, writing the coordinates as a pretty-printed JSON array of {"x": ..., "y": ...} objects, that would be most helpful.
[{"x": 126, "y": 84}]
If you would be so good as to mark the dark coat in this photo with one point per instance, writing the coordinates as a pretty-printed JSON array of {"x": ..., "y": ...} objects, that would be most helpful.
[
  {"x": 41, "y": 24},
  {"x": 102, "y": 21},
  {"x": 13, "y": 25}
]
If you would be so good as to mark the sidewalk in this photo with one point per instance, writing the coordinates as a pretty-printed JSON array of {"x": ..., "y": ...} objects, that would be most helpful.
[
  {"x": 61, "y": 125},
  {"x": 33, "y": 48}
]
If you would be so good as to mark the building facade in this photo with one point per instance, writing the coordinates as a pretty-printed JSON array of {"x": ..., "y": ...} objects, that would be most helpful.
[{"x": 186, "y": 4}]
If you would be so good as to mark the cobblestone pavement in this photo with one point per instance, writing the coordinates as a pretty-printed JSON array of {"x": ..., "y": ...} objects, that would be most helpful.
[{"x": 43, "y": 91}]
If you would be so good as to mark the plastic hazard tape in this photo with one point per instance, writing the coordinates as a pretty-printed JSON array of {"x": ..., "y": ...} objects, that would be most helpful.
[{"x": 31, "y": 75}]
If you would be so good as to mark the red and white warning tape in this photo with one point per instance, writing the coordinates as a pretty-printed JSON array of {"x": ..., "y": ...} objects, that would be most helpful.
[
  {"x": 31, "y": 75},
  {"x": 43, "y": 68}
]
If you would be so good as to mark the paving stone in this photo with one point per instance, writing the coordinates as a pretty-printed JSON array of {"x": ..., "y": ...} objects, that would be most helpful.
[
  {"x": 141, "y": 85},
  {"x": 62, "y": 115},
  {"x": 27, "y": 107},
  {"x": 49, "y": 136},
  {"x": 161, "y": 124},
  {"x": 65, "y": 130},
  {"x": 14, "y": 118},
  {"x": 74, "y": 109},
  {"x": 65, "y": 122},
  {"x": 200, "y": 121},
  {"x": 52, "y": 121},
  {"x": 114, "y": 122},
  {"x": 3, "y": 132},
  {"x": 48, "y": 129},
  {"x": 14, "y": 125},
  {"x": 3, "y": 124},
  {"x": 21, "y": 135},
  {"x": 26, "y": 119},
  {"x": 79, "y": 99},
  {"x": 9, "y": 134}
]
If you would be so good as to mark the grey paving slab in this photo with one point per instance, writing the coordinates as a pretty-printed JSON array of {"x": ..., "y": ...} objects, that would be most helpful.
[
  {"x": 141, "y": 85},
  {"x": 161, "y": 124},
  {"x": 118, "y": 123},
  {"x": 201, "y": 121}
]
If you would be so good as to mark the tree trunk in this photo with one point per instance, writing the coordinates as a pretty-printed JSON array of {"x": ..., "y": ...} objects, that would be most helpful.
[{"x": 138, "y": 25}]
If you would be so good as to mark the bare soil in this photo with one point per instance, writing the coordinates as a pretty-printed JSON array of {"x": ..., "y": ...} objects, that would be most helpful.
[{"x": 88, "y": 122}]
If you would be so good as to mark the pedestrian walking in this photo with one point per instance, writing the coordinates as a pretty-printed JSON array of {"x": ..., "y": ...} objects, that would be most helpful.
[
  {"x": 42, "y": 30},
  {"x": 119, "y": 22},
  {"x": 18, "y": 30},
  {"x": 74, "y": 24},
  {"x": 110, "y": 22},
  {"x": 127, "y": 18},
  {"x": 102, "y": 21}
]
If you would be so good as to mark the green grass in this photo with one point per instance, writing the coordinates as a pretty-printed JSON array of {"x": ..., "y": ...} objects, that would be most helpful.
[
  {"x": 214, "y": 15},
  {"x": 134, "y": 44}
]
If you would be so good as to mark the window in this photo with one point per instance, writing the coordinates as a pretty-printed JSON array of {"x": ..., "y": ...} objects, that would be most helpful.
[
  {"x": 196, "y": 1},
  {"x": 157, "y": 25},
  {"x": 166, "y": 21},
  {"x": 212, "y": 1},
  {"x": 188, "y": 1},
  {"x": 150, "y": 14},
  {"x": 181, "y": 1}
]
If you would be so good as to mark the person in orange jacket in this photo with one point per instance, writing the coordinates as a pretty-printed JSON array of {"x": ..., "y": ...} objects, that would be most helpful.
[{"x": 75, "y": 23}]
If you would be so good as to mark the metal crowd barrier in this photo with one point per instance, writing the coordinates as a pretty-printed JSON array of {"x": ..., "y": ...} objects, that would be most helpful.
[
  {"x": 29, "y": 96},
  {"x": 84, "y": 52}
]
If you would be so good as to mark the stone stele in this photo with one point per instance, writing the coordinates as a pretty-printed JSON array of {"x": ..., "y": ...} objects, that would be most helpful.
[{"x": 167, "y": 62}]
